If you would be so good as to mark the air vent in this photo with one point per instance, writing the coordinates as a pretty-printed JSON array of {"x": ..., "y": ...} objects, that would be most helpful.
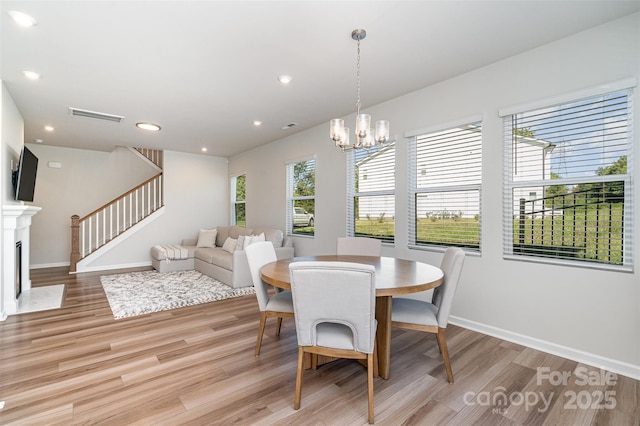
[
  {"x": 93, "y": 114},
  {"x": 288, "y": 126}
]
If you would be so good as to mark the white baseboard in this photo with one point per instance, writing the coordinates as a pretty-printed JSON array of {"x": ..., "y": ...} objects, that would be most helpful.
[
  {"x": 49, "y": 265},
  {"x": 612, "y": 365},
  {"x": 111, "y": 267}
]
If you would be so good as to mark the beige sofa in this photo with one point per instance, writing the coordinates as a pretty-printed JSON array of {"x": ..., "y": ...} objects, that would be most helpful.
[{"x": 227, "y": 265}]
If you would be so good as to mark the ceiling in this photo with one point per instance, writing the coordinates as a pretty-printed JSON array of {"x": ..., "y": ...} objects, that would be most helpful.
[{"x": 204, "y": 70}]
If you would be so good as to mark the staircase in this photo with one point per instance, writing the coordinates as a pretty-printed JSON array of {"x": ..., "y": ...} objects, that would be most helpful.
[{"x": 108, "y": 224}]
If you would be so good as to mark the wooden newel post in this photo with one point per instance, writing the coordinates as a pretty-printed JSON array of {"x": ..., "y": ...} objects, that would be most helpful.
[{"x": 75, "y": 242}]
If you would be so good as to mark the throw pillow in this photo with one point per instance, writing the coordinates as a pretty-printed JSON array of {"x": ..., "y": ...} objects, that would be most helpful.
[
  {"x": 242, "y": 242},
  {"x": 207, "y": 238},
  {"x": 250, "y": 239},
  {"x": 257, "y": 238},
  {"x": 230, "y": 245}
]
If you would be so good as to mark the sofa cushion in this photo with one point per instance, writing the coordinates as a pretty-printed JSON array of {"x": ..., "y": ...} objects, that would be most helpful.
[
  {"x": 216, "y": 256},
  {"x": 236, "y": 231},
  {"x": 274, "y": 235},
  {"x": 158, "y": 252},
  {"x": 223, "y": 234}
]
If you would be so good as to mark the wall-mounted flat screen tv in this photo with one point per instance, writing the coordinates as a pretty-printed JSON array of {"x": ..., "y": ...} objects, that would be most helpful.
[{"x": 25, "y": 177}]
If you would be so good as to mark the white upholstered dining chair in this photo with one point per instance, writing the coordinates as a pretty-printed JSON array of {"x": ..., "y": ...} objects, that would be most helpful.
[
  {"x": 280, "y": 305},
  {"x": 363, "y": 246},
  {"x": 334, "y": 305},
  {"x": 432, "y": 317}
]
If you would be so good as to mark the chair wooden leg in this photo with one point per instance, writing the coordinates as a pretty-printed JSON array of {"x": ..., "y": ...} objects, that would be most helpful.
[
  {"x": 370, "y": 368},
  {"x": 375, "y": 358},
  {"x": 278, "y": 326},
  {"x": 442, "y": 343},
  {"x": 296, "y": 402},
  {"x": 314, "y": 361},
  {"x": 263, "y": 321}
]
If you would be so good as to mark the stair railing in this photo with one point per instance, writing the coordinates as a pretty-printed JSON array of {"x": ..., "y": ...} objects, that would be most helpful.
[{"x": 102, "y": 225}]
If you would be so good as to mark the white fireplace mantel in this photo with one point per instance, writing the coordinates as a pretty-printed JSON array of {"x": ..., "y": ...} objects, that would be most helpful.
[{"x": 16, "y": 222}]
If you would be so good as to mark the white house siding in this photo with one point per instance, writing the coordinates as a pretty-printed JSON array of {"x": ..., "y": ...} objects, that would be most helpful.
[
  {"x": 374, "y": 172},
  {"x": 532, "y": 162}
]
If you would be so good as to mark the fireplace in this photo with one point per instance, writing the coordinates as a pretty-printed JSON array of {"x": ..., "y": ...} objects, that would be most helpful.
[
  {"x": 18, "y": 268},
  {"x": 16, "y": 222}
]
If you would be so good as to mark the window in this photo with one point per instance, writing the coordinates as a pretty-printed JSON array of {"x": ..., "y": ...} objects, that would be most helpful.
[
  {"x": 371, "y": 205},
  {"x": 301, "y": 188},
  {"x": 238, "y": 192},
  {"x": 567, "y": 181},
  {"x": 445, "y": 180}
]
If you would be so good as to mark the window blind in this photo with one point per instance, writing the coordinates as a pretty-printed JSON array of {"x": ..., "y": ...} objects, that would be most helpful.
[
  {"x": 445, "y": 178},
  {"x": 371, "y": 192},
  {"x": 568, "y": 181}
]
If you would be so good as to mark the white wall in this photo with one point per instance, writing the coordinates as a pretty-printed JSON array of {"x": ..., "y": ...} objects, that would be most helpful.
[
  {"x": 580, "y": 313},
  {"x": 11, "y": 137},
  {"x": 12, "y": 131}
]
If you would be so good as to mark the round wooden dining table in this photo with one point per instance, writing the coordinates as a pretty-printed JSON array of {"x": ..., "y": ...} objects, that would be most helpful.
[{"x": 394, "y": 277}]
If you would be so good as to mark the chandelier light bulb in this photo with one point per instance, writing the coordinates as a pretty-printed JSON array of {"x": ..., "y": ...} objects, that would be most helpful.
[
  {"x": 363, "y": 122},
  {"x": 382, "y": 131},
  {"x": 344, "y": 138},
  {"x": 336, "y": 129},
  {"x": 368, "y": 140}
]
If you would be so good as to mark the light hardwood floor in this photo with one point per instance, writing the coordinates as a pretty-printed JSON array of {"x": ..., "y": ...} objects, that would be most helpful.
[{"x": 196, "y": 365}]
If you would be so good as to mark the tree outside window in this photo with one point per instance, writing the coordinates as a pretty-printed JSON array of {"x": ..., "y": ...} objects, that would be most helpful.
[
  {"x": 301, "y": 182},
  {"x": 238, "y": 189}
]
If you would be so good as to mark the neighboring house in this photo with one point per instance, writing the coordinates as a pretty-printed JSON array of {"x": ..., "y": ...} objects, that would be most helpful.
[
  {"x": 532, "y": 162},
  {"x": 372, "y": 173}
]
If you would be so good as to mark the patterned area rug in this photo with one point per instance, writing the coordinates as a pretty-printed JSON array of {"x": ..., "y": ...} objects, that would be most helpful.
[{"x": 139, "y": 293}]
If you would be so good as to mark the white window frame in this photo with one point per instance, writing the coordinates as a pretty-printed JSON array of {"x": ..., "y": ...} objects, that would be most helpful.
[
  {"x": 234, "y": 201},
  {"x": 509, "y": 184},
  {"x": 290, "y": 165},
  {"x": 352, "y": 194},
  {"x": 414, "y": 190}
]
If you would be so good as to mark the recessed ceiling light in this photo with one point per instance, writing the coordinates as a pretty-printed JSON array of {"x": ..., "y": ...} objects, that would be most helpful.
[
  {"x": 32, "y": 75},
  {"x": 257, "y": 123},
  {"x": 285, "y": 79},
  {"x": 38, "y": 141},
  {"x": 49, "y": 128},
  {"x": 22, "y": 18},
  {"x": 204, "y": 149},
  {"x": 148, "y": 126}
]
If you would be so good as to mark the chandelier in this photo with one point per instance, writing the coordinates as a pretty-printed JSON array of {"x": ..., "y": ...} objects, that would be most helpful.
[{"x": 366, "y": 137}]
